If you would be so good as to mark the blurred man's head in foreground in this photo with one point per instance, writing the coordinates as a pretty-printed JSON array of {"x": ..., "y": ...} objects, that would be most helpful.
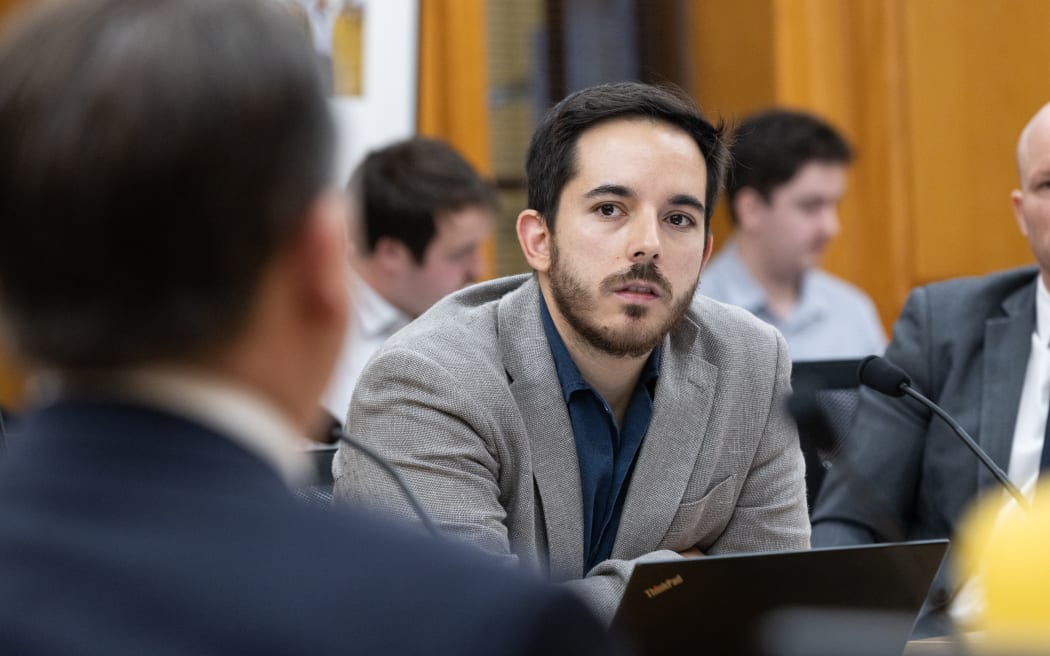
[{"x": 163, "y": 168}]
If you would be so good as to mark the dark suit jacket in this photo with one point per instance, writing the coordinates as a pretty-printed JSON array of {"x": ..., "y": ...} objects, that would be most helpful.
[
  {"x": 125, "y": 530},
  {"x": 965, "y": 344}
]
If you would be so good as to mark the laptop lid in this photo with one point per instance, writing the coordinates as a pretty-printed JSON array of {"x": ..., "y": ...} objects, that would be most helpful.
[{"x": 736, "y": 603}]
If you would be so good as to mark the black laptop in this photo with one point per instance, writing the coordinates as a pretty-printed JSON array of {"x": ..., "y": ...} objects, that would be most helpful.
[{"x": 780, "y": 603}]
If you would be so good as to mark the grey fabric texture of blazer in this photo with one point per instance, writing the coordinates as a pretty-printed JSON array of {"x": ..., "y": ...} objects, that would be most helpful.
[
  {"x": 965, "y": 345},
  {"x": 466, "y": 403}
]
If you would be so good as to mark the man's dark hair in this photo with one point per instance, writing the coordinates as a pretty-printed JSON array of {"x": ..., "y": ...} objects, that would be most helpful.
[
  {"x": 551, "y": 162},
  {"x": 154, "y": 156},
  {"x": 400, "y": 191},
  {"x": 770, "y": 147}
]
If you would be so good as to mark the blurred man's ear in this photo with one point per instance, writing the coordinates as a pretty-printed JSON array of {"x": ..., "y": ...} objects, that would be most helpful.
[
  {"x": 392, "y": 257},
  {"x": 535, "y": 239},
  {"x": 291, "y": 340},
  {"x": 749, "y": 208},
  {"x": 321, "y": 256},
  {"x": 355, "y": 230}
]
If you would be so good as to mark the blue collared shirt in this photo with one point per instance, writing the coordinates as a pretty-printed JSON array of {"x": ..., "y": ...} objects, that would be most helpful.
[
  {"x": 832, "y": 319},
  {"x": 606, "y": 452}
]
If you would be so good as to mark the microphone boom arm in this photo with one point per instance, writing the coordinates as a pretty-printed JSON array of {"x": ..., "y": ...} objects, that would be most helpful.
[
  {"x": 382, "y": 463},
  {"x": 977, "y": 451}
]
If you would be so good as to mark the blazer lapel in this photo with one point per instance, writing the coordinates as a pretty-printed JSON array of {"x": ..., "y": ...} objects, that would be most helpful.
[
  {"x": 668, "y": 457},
  {"x": 1007, "y": 342},
  {"x": 555, "y": 468}
]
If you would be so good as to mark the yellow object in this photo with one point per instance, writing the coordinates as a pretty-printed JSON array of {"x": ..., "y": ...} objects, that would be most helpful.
[
  {"x": 348, "y": 51},
  {"x": 1009, "y": 551}
]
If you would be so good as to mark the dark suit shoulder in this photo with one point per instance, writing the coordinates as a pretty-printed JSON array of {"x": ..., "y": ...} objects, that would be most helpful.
[
  {"x": 204, "y": 563},
  {"x": 965, "y": 296},
  {"x": 455, "y": 599}
]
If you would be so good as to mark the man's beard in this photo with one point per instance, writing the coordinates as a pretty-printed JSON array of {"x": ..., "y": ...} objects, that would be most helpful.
[{"x": 577, "y": 305}]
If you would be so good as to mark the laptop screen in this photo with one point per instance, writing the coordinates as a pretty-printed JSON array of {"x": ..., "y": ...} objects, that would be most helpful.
[{"x": 732, "y": 604}]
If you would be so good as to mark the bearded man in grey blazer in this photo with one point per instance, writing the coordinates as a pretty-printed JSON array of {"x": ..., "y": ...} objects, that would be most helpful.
[
  {"x": 979, "y": 347},
  {"x": 590, "y": 415}
]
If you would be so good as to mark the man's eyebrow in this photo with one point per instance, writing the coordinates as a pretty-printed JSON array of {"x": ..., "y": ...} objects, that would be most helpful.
[
  {"x": 610, "y": 190},
  {"x": 688, "y": 200}
]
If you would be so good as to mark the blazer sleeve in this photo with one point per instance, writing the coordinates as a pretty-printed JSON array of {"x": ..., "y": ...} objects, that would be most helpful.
[
  {"x": 869, "y": 494},
  {"x": 430, "y": 429}
]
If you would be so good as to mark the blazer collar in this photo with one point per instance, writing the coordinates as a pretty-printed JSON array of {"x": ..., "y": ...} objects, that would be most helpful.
[
  {"x": 665, "y": 462},
  {"x": 668, "y": 457},
  {"x": 1007, "y": 340}
]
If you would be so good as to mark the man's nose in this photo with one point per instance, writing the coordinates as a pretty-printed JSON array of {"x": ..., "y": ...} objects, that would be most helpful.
[{"x": 644, "y": 239}]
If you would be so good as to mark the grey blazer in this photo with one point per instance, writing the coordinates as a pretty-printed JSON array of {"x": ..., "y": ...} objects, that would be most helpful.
[
  {"x": 965, "y": 344},
  {"x": 466, "y": 403}
]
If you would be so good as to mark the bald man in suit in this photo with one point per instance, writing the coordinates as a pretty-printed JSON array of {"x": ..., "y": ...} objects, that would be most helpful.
[{"x": 979, "y": 347}]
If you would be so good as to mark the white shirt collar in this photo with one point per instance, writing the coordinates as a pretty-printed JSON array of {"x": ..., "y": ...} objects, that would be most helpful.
[
  {"x": 231, "y": 410},
  {"x": 741, "y": 288},
  {"x": 374, "y": 314},
  {"x": 1042, "y": 312}
]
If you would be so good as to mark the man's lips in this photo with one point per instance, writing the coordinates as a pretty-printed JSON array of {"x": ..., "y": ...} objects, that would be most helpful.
[{"x": 638, "y": 291}]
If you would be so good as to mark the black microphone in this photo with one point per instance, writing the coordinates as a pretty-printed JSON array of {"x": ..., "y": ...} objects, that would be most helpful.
[
  {"x": 883, "y": 376},
  {"x": 336, "y": 432}
]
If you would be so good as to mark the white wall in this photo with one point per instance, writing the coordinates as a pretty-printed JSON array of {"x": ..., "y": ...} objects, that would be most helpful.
[{"x": 386, "y": 111}]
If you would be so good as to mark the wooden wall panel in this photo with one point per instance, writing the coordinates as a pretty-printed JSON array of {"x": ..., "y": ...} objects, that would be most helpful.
[
  {"x": 841, "y": 60},
  {"x": 6, "y": 5},
  {"x": 453, "y": 84},
  {"x": 453, "y": 104},
  {"x": 731, "y": 45},
  {"x": 977, "y": 71},
  {"x": 731, "y": 54},
  {"x": 874, "y": 248},
  {"x": 933, "y": 93}
]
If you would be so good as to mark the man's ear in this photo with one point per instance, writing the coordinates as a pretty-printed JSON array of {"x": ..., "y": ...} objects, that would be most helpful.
[
  {"x": 321, "y": 255},
  {"x": 535, "y": 239},
  {"x": 709, "y": 246},
  {"x": 392, "y": 257},
  {"x": 749, "y": 208},
  {"x": 1017, "y": 202}
]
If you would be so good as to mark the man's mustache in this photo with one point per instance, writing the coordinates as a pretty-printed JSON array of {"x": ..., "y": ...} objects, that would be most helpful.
[{"x": 647, "y": 272}]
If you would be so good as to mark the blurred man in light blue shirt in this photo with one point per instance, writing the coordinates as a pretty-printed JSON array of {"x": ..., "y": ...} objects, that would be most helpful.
[{"x": 788, "y": 176}]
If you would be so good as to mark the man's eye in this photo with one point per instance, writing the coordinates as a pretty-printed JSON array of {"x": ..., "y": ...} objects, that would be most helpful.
[
  {"x": 680, "y": 220},
  {"x": 608, "y": 209}
]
